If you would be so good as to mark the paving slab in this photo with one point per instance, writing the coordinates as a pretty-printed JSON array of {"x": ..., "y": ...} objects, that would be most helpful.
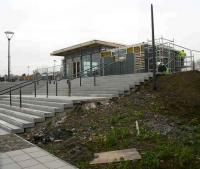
[{"x": 10, "y": 142}]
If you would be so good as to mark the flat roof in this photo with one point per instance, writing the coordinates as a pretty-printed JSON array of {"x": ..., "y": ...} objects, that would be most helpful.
[{"x": 93, "y": 43}]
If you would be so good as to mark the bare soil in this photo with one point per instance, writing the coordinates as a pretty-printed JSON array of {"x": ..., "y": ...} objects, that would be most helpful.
[{"x": 169, "y": 121}]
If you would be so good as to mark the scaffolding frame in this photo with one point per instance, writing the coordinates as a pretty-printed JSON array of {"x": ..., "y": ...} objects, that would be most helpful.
[{"x": 167, "y": 53}]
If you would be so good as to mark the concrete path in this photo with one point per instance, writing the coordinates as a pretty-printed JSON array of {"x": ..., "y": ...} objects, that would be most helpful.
[
  {"x": 31, "y": 157},
  {"x": 3, "y": 132}
]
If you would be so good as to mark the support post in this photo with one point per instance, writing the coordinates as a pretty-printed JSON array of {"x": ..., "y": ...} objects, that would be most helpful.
[
  {"x": 20, "y": 97},
  {"x": 80, "y": 79},
  {"x": 56, "y": 87},
  {"x": 35, "y": 88},
  {"x": 154, "y": 52},
  {"x": 47, "y": 87},
  {"x": 10, "y": 97},
  {"x": 193, "y": 63},
  {"x": 94, "y": 78},
  {"x": 69, "y": 87}
]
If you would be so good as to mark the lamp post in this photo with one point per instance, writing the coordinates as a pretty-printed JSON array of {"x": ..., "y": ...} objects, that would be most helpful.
[{"x": 9, "y": 35}]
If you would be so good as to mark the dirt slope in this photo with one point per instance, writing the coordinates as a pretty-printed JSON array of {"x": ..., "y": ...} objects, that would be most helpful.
[{"x": 168, "y": 120}]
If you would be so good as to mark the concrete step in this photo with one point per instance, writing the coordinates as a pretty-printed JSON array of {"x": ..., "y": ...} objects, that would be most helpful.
[
  {"x": 104, "y": 95},
  {"x": 66, "y": 99},
  {"x": 10, "y": 127},
  {"x": 50, "y": 100},
  {"x": 93, "y": 92},
  {"x": 95, "y": 95},
  {"x": 28, "y": 111},
  {"x": 36, "y": 107},
  {"x": 22, "y": 116},
  {"x": 56, "y": 99},
  {"x": 94, "y": 88},
  {"x": 54, "y": 104},
  {"x": 16, "y": 121}
]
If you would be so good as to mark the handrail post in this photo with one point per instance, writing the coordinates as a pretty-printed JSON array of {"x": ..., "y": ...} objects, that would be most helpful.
[
  {"x": 56, "y": 87},
  {"x": 20, "y": 97},
  {"x": 94, "y": 78},
  {"x": 35, "y": 88},
  {"x": 37, "y": 79},
  {"x": 47, "y": 88},
  {"x": 10, "y": 97},
  {"x": 80, "y": 79},
  {"x": 69, "y": 87}
]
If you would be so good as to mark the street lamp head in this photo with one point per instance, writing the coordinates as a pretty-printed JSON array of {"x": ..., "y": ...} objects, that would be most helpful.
[{"x": 9, "y": 34}]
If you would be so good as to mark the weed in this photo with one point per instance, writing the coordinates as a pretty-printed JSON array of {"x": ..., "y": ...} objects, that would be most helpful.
[
  {"x": 121, "y": 165},
  {"x": 111, "y": 140},
  {"x": 115, "y": 119},
  {"x": 139, "y": 114},
  {"x": 115, "y": 135},
  {"x": 145, "y": 134},
  {"x": 184, "y": 156},
  {"x": 149, "y": 161},
  {"x": 125, "y": 165}
]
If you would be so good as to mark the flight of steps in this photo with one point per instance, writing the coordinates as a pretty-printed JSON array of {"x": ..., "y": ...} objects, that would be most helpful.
[
  {"x": 15, "y": 119},
  {"x": 110, "y": 86},
  {"x": 34, "y": 110}
]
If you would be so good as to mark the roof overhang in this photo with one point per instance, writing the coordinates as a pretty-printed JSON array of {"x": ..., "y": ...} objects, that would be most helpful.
[{"x": 89, "y": 44}]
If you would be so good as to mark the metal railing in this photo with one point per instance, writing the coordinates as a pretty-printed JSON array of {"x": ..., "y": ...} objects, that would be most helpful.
[
  {"x": 18, "y": 87},
  {"x": 92, "y": 72},
  {"x": 8, "y": 88}
]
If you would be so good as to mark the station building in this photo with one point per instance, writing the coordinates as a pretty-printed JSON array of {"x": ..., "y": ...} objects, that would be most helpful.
[{"x": 108, "y": 58}]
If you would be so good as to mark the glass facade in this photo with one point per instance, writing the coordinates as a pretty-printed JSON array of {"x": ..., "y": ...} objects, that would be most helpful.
[{"x": 86, "y": 58}]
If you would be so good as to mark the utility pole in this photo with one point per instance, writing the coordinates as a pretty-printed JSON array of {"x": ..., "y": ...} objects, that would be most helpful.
[{"x": 154, "y": 52}]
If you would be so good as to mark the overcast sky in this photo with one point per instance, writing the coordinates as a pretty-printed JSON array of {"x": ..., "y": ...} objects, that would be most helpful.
[{"x": 42, "y": 26}]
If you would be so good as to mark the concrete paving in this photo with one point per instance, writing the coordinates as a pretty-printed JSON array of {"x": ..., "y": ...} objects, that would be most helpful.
[
  {"x": 32, "y": 157},
  {"x": 3, "y": 132}
]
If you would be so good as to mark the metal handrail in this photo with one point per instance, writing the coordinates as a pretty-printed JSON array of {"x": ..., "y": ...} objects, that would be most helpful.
[
  {"x": 11, "y": 90},
  {"x": 8, "y": 88},
  {"x": 20, "y": 92}
]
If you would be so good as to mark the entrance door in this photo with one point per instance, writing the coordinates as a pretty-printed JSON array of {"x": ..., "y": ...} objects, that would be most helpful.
[{"x": 76, "y": 69}]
